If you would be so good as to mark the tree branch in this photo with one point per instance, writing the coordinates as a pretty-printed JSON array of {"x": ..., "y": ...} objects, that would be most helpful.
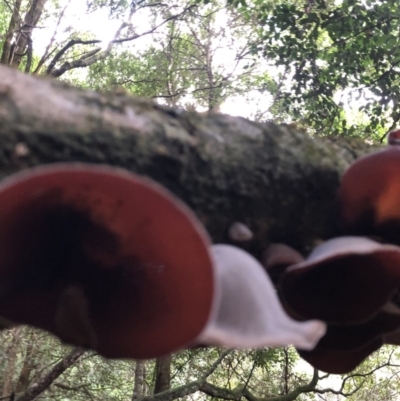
[
  {"x": 65, "y": 48},
  {"x": 15, "y": 21},
  {"x": 356, "y": 375},
  {"x": 280, "y": 182},
  {"x": 100, "y": 56},
  {"x": 186, "y": 389},
  {"x": 52, "y": 39},
  {"x": 39, "y": 387},
  {"x": 152, "y": 30},
  {"x": 31, "y": 19},
  {"x": 242, "y": 390},
  {"x": 70, "y": 388}
]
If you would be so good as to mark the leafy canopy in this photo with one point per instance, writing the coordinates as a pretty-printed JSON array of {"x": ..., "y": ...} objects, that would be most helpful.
[{"x": 334, "y": 56}]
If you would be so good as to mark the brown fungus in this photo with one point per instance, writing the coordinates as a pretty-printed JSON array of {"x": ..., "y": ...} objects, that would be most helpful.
[
  {"x": 339, "y": 361},
  {"x": 103, "y": 258},
  {"x": 345, "y": 280},
  {"x": 370, "y": 192},
  {"x": 394, "y": 137},
  {"x": 351, "y": 283}
]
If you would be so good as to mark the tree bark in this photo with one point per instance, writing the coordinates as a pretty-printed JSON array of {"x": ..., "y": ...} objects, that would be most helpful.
[
  {"x": 189, "y": 388},
  {"x": 45, "y": 382},
  {"x": 12, "y": 353},
  {"x": 280, "y": 182},
  {"x": 31, "y": 19},
  {"x": 230, "y": 395},
  {"x": 138, "y": 389},
  {"x": 242, "y": 391},
  {"x": 28, "y": 364},
  {"x": 12, "y": 28},
  {"x": 163, "y": 374}
]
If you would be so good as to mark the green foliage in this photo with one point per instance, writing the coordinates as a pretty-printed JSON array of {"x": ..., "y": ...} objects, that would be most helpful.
[
  {"x": 28, "y": 355},
  {"x": 93, "y": 377},
  {"x": 145, "y": 73},
  {"x": 115, "y": 8},
  {"x": 5, "y": 15},
  {"x": 329, "y": 48},
  {"x": 185, "y": 65},
  {"x": 37, "y": 352}
]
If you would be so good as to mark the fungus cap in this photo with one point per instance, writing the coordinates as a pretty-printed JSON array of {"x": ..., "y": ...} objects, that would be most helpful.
[
  {"x": 246, "y": 311},
  {"x": 239, "y": 232},
  {"x": 113, "y": 255},
  {"x": 353, "y": 337},
  {"x": 394, "y": 137},
  {"x": 339, "y": 361},
  {"x": 345, "y": 346},
  {"x": 344, "y": 280},
  {"x": 369, "y": 194}
]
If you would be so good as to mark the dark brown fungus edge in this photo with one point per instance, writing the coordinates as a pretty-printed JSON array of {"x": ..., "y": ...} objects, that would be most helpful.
[
  {"x": 352, "y": 337},
  {"x": 369, "y": 194},
  {"x": 339, "y": 361},
  {"x": 104, "y": 259},
  {"x": 345, "y": 280}
]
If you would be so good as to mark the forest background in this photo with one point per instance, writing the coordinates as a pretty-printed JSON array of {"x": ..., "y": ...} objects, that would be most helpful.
[{"x": 330, "y": 68}]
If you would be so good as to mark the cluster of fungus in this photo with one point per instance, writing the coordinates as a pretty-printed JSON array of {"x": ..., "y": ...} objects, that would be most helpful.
[
  {"x": 108, "y": 260},
  {"x": 352, "y": 282},
  {"x": 111, "y": 261}
]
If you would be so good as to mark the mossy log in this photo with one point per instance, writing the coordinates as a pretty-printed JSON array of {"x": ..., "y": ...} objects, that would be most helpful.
[{"x": 280, "y": 182}]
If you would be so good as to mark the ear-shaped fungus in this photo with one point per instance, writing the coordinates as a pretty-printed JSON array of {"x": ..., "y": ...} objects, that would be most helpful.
[
  {"x": 344, "y": 347},
  {"x": 339, "y": 361},
  {"x": 370, "y": 193},
  {"x": 352, "y": 284},
  {"x": 345, "y": 280},
  {"x": 103, "y": 259},
  {"x": 394, "y": 137},
  {"x": 246, "y": 311},
  {"x": 352, "y": 337}
]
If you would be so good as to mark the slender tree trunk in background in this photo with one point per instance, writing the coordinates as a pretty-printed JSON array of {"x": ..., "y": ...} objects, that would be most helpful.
[
  {"x": 46, "y": 381},
  {"x": 138, "y": 390},
  {"x": 286, "y": 372},
  {"x": 12, "y": 28},
  {"x": 163, "y": 374},
  {"x": 31, "y": 19},
  {"x": 28, "y": 365},
  {"x": 11, "y": 356}
]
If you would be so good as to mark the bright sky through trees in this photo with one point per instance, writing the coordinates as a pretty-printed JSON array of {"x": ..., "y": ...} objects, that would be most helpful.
[
  {"x": 100, "y": 26},
  {"x": 253, "y": 104}
]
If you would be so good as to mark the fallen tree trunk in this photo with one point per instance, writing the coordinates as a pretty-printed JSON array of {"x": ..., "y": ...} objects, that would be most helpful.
[{"x": 280, "y": 182}]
